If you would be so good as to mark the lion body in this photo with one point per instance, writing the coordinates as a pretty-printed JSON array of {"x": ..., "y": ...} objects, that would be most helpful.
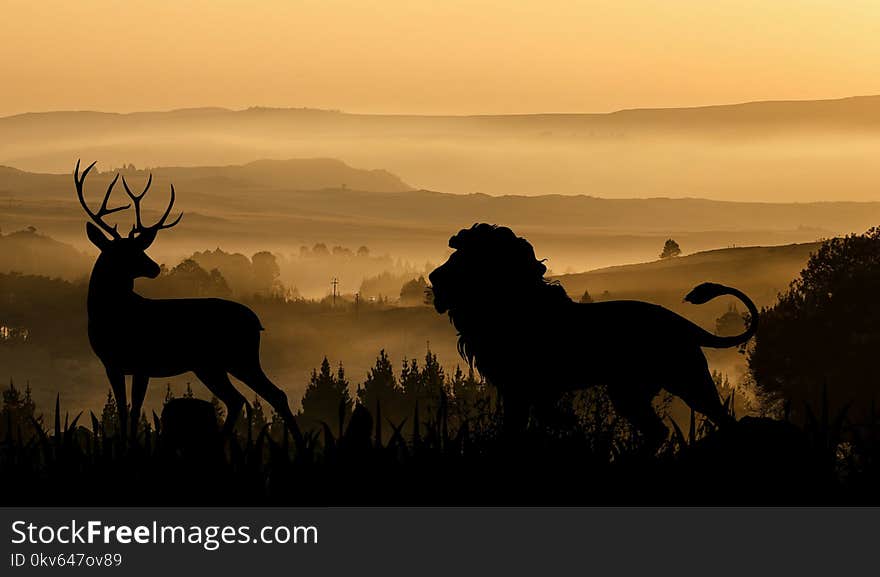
[{"x": 531, "y": 341}]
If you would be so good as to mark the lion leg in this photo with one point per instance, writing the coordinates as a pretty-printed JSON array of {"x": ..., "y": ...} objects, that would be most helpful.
[
  {"x": 699, "y": 392},
  {"x": 634, "y": 405}
]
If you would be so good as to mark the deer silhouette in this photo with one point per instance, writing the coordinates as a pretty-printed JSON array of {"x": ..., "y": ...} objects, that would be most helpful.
[{"x": 151, "y": 338}]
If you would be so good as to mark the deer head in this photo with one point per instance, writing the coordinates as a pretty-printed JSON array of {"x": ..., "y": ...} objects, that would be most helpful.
[{"x": 125, "y": 256}]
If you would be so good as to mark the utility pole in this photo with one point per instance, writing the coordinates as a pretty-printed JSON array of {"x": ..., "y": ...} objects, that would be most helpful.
[{"x": 335, "y": 283}]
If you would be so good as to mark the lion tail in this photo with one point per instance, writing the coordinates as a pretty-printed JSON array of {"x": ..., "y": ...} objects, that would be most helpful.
[{"x": 707, "y": 291}]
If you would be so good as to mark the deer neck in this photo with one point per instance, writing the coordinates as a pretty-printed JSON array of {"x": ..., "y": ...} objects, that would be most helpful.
[{"x": 109, "y": 291}]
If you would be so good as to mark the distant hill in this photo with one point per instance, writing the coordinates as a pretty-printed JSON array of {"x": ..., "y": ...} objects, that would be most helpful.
[
  {"x": 29, "y": 252},
  {"x": 787, "y": 151},
  {"x": 290, "y": 174},
  {"x": 328, "y": 187},
  {"x": 762, "y": 272},
  {"x": 857, "y": 112}
]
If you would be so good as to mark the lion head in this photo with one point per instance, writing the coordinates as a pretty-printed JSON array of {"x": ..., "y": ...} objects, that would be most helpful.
[
  {"x": 490, "y": 267},
  {"x": 492, "y": 277}
]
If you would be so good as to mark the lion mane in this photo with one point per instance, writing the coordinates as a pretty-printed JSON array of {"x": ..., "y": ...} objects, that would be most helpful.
[{"x": 489, "y": 256}]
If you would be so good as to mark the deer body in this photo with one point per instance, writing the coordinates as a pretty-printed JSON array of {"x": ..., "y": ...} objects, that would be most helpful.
[
  {"x": 172, "y": 351},
  {"x": 150, "y": 338},
  {"x": 185, "y": 334}
]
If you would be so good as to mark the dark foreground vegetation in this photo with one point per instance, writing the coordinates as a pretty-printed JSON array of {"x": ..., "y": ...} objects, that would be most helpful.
[{"x": 449, "y": 450}]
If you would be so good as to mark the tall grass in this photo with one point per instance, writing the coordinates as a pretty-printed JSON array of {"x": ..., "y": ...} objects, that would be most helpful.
[{"x": 579, "y": 452}]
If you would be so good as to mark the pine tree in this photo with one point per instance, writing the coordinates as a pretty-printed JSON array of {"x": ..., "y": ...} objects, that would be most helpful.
[
  {"x": 346, "y": 404},
  {"x": 16, "y": 416},
  {"x": 380, "y": 384},
  {"x": 110, "y": 416},
  {"x": 410, "y": 380},
  {"x": 258, "y": 416},
  {"x": 472, "y": 400},
  {"x": 10, "y": 411},
  {"x": 414, "y": 292},
  {"x": 324, "y": 396},
  {"x": 730, "y": 323},
  {"x": 28, "y": 406},
  {"x": 670, "y": 249},
  {"x": 432, "y": 381},
  {"x": 381, "y": 393}
]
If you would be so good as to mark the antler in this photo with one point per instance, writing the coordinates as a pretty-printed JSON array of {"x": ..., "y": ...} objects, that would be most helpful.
[
  {"x": 97, "y": 217},
  {"x": 136, "y": 198}
]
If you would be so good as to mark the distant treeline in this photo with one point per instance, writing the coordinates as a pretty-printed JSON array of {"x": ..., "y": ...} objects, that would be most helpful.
[{"x": 223, "y": 274}]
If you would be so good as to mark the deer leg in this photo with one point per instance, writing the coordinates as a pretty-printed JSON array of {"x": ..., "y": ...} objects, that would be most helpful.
[
  {"x": 117, "y": 383},
  {"x": 218, "y": 383},
  {"x": 138, "y": 392},
  {"x": 256, "y": 379}
]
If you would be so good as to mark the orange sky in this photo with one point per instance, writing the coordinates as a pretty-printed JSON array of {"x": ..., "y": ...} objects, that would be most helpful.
[{"x": 430, "y": 56}]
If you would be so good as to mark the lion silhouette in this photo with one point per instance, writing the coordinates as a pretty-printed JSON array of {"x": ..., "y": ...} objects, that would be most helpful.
[{"x": 530, "y": 340}]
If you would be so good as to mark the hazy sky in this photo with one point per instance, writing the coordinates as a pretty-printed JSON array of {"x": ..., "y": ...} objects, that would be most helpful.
[{"x": 432, "y": 56}]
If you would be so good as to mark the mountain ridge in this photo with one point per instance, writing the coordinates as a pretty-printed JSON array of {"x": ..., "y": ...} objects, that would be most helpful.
[
  {"x": 765, "y": 150},
  {"x": 332, "y": 187},
  {"x": 872, "y": 98}
]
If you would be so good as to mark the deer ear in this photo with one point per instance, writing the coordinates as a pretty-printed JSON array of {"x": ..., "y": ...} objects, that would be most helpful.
[
  {"x": 96, "y": 236},
  {"x": 146, "y": 238}
]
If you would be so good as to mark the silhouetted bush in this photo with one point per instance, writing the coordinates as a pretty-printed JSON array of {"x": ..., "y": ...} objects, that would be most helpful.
[{"x": 824, "y": 331}]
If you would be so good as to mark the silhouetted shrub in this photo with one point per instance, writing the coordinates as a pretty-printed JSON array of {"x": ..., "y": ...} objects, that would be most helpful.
[{"x": 824, "y": 331}]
